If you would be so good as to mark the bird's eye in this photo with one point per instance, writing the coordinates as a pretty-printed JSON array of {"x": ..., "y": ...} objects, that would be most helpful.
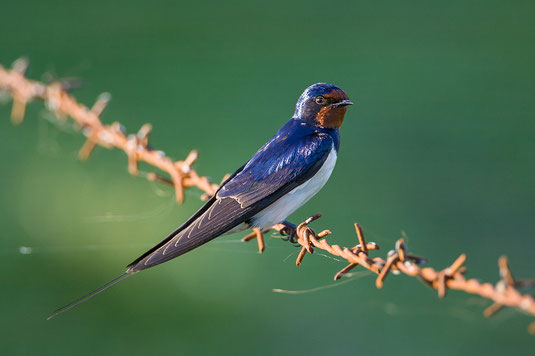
[{"x": 320, "y": 100}]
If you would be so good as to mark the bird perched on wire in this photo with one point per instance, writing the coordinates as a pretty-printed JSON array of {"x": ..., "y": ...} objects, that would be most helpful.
[{"x": 282, "y": 176}]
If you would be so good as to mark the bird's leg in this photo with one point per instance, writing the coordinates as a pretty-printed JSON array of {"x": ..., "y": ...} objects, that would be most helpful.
[
  {"x": 288, "y": 229},
  {"x": 259, "y": 238}
]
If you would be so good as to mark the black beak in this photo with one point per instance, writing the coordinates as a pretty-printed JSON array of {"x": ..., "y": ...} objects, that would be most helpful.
[{"x": 344, "y": 103}]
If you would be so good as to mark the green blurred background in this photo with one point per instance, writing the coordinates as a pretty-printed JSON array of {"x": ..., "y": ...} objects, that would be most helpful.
[{"x": 440, "y": 146}]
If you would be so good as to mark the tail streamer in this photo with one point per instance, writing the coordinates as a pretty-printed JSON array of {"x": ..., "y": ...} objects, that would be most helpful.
[{"x": 90, "y": 295}]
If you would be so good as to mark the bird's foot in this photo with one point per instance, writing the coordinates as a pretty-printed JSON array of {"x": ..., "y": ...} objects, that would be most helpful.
[
  {"x": 301, "y": 235},
  {"x": 288, "y": 232}
]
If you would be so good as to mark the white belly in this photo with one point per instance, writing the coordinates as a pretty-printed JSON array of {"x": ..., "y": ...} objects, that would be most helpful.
[{"x": 290, "y": 202}]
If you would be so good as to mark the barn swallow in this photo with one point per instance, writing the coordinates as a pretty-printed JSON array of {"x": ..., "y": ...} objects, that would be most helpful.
[{"x": 282, "y": 176}]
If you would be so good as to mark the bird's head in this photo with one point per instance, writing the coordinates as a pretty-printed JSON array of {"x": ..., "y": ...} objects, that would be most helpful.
[{"x": 322, "y": 105}]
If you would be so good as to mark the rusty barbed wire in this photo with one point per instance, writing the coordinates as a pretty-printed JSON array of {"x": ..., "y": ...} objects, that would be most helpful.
[
  {"x": 503, "y": 293},
  {"x": 181, "y": 176},
  {"x": 136, "y": 146}
]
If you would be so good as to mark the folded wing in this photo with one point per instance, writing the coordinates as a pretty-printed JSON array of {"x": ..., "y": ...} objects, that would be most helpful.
[{"x": 285, "y": 162}]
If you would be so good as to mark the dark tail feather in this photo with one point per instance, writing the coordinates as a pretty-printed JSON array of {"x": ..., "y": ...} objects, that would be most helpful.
[{"x": 90, "y": 295}]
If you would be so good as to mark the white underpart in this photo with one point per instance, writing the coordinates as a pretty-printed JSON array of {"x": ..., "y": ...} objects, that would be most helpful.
[{"x": 290, "y": 202}]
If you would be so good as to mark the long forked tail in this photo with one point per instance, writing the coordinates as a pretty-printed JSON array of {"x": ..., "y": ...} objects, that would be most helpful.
[{"x": 90, "y": 295}]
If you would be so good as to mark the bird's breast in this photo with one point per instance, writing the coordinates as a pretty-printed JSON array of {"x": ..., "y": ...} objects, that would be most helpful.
[{"x": 279, "y": 210}]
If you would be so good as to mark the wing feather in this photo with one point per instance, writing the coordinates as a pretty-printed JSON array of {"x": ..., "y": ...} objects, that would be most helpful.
[{"x": 284, "y": 163}]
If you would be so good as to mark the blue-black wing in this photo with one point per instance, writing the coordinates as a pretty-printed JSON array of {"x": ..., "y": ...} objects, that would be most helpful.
[{"x": 282, "y": 164}]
